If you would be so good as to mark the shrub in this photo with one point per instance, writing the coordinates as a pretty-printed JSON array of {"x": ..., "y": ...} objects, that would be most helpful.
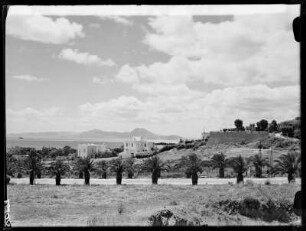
[
  {"x": 267, "y": 182},
  {"x": 173, "y": 203},
  {"x": 19, "y": 175}
]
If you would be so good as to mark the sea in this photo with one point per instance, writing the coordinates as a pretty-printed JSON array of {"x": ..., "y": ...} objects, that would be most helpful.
[{"x": 39, "y": 143}]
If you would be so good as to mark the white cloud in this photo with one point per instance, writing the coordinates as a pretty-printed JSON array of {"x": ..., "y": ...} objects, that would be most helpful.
[
  {"x": 84, "y": 58},
  {"x": 118, "y": 19},
  {"x": 31, "y": 112},
  {"x": 98, "y": 80},
  {"x": 186, "y": 115},
  {"x": 30, "y": 78},
  {"x": 43, "y": 29}
]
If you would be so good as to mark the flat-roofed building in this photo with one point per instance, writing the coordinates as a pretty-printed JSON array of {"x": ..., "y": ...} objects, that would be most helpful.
[
  {"x": 85, "y": 150},
  {"x": 136, "y": 145}
]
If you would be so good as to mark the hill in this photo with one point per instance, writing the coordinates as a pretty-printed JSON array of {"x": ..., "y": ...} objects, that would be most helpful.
[{"x": 94, "y": 134}]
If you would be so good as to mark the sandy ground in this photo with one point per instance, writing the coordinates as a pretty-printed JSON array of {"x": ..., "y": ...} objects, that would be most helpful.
[{"x": 147, "y": 181}]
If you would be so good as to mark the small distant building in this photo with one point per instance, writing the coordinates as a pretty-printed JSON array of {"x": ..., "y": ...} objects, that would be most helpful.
[
  {"x": 136, "y": 145},
  {"x": 85, "y": 150}
]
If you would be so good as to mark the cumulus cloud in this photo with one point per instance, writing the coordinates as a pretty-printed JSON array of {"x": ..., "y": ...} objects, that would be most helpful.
[
  {"x": 187, "y": 115},
  {"x": 118, "y": 19},
  {"x": 43, "y": 29},
  {"x": 84, "y": 58},
  {"x": 29, "y": 78},
  {"x": 98, "y": 80},
  {"x": 248, "y": 50}
]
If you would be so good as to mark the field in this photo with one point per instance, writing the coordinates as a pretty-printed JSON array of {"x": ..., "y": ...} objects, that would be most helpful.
[{"x": 132, "y": 204}]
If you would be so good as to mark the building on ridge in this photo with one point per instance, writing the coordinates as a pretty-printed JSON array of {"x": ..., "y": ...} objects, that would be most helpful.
[{"x": 85, "y": 150}]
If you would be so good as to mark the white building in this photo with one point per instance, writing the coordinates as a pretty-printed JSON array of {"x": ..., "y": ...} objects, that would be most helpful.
[
  {"x": 136, "y": 145},
  {"x": 85, "y": 150}
]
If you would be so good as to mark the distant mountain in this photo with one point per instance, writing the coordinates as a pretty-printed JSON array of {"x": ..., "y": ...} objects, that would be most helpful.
[{"x": 94, "y": 134}]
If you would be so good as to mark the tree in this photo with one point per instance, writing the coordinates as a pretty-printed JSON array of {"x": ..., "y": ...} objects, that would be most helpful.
[
  {"x": 288, "y": 164},
  {"x": 239, "y": 166},
  {"x": 259, "y": 162},
  {"x": 130, "y": 167},
  {"x": 33, "y": 164},
  {"x": 193, "y": 165},
  {"x": 84, "y": 165},
  {"x": 273, "y": 126},
  {"x": 262, "y": 125},
  {"x": 219, "y": 161},
  {"x": 11, "y": 165},
  {"x": 155, "y": 165},
  {"x": 287, "y": 130},
  {"x": 239, "y": 124},
  {"x": 58, "y": 168},
  {"x": 117, "y": 166},
  {"x": 102, "y": 166}
]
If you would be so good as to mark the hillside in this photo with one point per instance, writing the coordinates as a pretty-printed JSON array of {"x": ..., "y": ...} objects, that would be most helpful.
[{"x": 94, "y": 134}]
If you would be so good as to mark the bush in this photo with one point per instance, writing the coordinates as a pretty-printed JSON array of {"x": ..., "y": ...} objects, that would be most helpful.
[
  {"x": 173, "y": 203},
  {"x": 267, "y": 182},
  {"x": 19, "y": 175}
]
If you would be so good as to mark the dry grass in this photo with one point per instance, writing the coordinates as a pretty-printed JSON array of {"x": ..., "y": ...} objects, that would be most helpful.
[{"x": 124, "y": 205}]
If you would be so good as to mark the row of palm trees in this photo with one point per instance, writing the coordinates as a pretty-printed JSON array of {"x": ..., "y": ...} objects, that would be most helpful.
[{"x": 192, "y": 165}]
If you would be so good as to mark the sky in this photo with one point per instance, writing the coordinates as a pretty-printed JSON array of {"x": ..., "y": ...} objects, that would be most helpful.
[{"x": 174, "y": 70}]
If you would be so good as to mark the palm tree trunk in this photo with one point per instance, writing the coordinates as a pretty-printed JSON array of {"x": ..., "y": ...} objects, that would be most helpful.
[
  {"x": 80, "y": 175},
  {"x": 32, "y": 177},
  {"x": 221, "y": 172},
  {"x": 291, "y": 178},
  {"x": 154, "y": 177},
  {"x": 58, "y": 180},
  {"x": 119, "y": 178},
  {"x": 194, "y": 179},
  {"x": 87, "y": 177},
  {"x": 130, "y": 175},
  {"x": 239, "y": 178},
  {"x": 104, "y": 176}
]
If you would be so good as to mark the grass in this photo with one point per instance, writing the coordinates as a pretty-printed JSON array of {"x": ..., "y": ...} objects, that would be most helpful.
[{"x": 112, "y": 205}]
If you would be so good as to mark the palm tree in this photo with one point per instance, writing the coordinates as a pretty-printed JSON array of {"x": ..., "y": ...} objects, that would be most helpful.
[
  {"x": 117, "y": 166},
  {"x": 239, "y": 166},
  {"x": 58, "y": 168},
  {"x": 193, "y": 165},
  {"x": 288, "y": 164},
  {"x": 102, "y": 166},
  {"x": 219, "y": 161},
  {"x": 33, "y": 164},
  {"x": 155, "y": 165},
  {"x": 259, "y": 162},
  {"x": 130, "y": 167},
  {"x": 84, "y": 165}
]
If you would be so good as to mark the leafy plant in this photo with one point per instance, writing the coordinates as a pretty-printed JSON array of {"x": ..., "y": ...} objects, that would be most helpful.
[
  {"x": 219, "y": 161},
  {"x": 259, "y": 162},
  {"x": 33, "y": 164},
  {"x": 239, "y": 166},
  {"x": 102, "y": 167},
  {"x": 84, "y": 165},
  {"x": 58, "y": 168},
  {"x": 117, "y": 166},
  {"x": 289, "y": 164},
  {"x": 155, "y": 165},
  {"x": 193, "y": 165}
]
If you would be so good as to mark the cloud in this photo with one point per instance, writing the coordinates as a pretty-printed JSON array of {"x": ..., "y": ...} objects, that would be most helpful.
[
  {"x": 98, "y": 80},
  {"x": 43, "y": 29},
  {"x": 29, "y": 78},
  {"x": 84, "y": 58},
  {"x": 31, "y": 112},
  {"x": 118, "y": 19},
  {"x": 187, "y": 114}
]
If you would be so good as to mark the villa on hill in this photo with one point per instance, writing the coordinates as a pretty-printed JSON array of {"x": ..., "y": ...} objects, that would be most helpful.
[
  {"x": 85, "y": 150},
  {"x": 136, "y": 145}
]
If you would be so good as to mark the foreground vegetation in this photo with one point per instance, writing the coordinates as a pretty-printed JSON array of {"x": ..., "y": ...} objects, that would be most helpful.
[{"x": 112, "y": 205}]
